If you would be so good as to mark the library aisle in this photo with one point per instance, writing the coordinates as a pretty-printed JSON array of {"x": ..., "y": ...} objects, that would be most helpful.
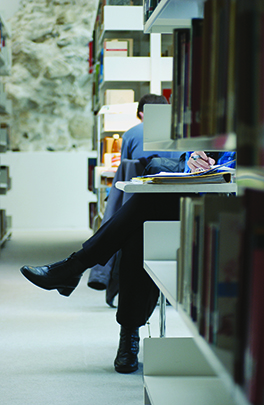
[{"x": 58, "y": 350}]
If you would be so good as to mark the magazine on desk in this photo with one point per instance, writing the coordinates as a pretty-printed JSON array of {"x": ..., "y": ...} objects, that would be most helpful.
[{"x": 216, "y": 174}]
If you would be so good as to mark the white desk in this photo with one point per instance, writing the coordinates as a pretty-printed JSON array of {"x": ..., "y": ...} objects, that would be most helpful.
[{"x": 131, "y": 187}]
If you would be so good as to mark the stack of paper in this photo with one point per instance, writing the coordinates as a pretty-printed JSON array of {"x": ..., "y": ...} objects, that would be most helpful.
[{"x": 216, "y": 174}]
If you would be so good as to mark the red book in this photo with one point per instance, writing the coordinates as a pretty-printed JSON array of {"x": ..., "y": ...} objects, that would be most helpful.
[
  {"x": 167, "y": 94},
  {"x": 196, "y": 74},
  {"x": 90, "y": 57}
]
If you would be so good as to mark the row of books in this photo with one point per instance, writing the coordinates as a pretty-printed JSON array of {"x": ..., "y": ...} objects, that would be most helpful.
[
  {"x": 92, "y": 214},
  {"x": 2, "y": 37},
  {"x": 92, "y": 163},
  {"x": 250, "y": 83},
  {"x": 121, "y": 47},
  {"x": 203, "y": 73},
  {"x": 111, "y": 48},
  {"x": 221, "y": 278},
  {"x": 149, "y": 7},
  {"x": 218, "y": 82},
  {"x": 106, "y": 145},
  {"x": 97, "y": 33}
]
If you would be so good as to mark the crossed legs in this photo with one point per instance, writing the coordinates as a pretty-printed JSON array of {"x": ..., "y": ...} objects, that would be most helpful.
[{"x": 137, "y": 292}]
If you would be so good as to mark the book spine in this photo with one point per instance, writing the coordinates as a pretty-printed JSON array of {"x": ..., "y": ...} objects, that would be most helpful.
[
  {"x": 180, "y": 118},
  {"x": 196, "y": 74},
  {"x": 254, "y": 353},
  {"x": 249, "y": 78},
  {"x": 231, "y": 227}
]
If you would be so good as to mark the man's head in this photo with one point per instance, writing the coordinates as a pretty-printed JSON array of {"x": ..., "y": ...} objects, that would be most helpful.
[{"x": 149, "y": 99}]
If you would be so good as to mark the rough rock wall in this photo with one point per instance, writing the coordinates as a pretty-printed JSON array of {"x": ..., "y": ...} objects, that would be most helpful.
[{"x": 49, "y": 84}]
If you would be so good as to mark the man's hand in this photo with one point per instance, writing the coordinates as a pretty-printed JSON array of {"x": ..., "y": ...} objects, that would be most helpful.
[{"x": 200, "y": 161}]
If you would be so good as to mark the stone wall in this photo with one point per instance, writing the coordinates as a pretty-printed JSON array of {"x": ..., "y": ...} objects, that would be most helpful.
[{"x": 49, "y": 84}]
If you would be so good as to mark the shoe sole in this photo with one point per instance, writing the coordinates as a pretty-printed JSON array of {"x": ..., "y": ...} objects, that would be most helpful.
[{"x": 124, "y": 370}]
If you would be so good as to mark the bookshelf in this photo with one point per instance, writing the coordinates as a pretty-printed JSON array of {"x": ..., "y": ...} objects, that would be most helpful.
[
  {"x": 187, "y": 368},
  {"x": 133, "y": 70},
  {"x": 5, "y": 113},
  {"x": 203, "y": 90},
  {"x": 231, "y": 118},
  {"x": 145, "y": 66}
]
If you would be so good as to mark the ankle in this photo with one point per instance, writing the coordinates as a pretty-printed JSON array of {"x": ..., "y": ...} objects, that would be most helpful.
[
  {"x": 130, "y": 331},
  {"x": 129, "y": 340},
  {"x": 81, "y": 256}
]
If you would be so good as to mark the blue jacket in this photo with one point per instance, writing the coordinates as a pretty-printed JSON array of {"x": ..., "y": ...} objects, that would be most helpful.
[{"x": 132, "y": 145}]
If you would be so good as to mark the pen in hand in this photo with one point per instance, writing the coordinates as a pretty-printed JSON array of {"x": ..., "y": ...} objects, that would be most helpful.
[{"x": 200, "y": 161}]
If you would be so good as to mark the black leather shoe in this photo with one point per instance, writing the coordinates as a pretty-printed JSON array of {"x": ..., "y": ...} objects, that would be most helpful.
[
  {"x": 63, "y": 276},
  {"x": 126, "y": 360}
]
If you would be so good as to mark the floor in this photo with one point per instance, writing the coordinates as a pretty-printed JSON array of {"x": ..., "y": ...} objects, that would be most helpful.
[{"x": 57, "y": 350}]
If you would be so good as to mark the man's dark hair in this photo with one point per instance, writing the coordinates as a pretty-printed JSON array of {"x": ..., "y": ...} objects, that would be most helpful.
[{"x": 150, "y": 99}]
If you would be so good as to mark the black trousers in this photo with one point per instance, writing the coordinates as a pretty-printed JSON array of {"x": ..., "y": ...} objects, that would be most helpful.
[{"x": 124, "y": 230}]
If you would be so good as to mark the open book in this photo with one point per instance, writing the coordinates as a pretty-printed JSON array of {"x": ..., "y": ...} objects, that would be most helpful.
[{"x": 216, "y": 174}]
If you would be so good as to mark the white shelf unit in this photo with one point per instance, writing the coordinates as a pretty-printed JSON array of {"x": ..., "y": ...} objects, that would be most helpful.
[
  {"x": 165, "y": 380},
  {"x": 101, "y": 172},
  {"x": 127, "y": 114},
  {"x": 185, "y": 369},
  {"x": 144, "y": 73},
  {"x": 147, "y": 71},
  {"x": 186, "y": 378},
  {"x": 160, "y": 256}
]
